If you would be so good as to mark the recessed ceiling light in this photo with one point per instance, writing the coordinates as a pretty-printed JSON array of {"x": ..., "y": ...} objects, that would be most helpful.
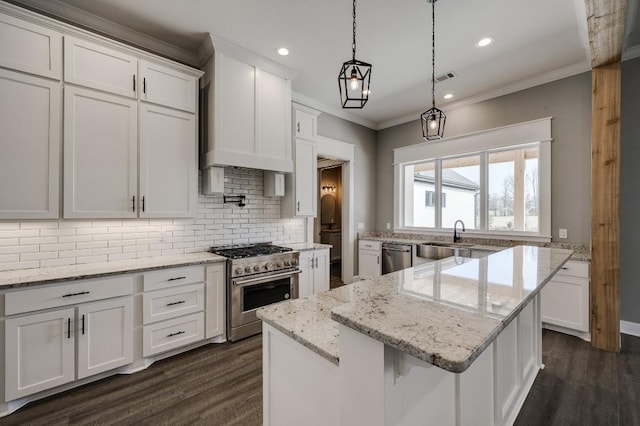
[
  {"x": 283, "y": 51},
  {"x": 448, "y": 96},
  {"x": 484, "y": 41}
]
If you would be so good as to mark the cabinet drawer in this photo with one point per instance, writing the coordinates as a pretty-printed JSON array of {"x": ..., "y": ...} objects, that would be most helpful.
[
  {"x": 53, "y": 296},
  {"x": 172, "y": 334},
  {"x": 30, "y": 48},
  {"x": 575, "y": 268},
  {"x": 172, "y": 277},
  {"x": 370, "y": 245},
  {"x": 172, "y": 302}
]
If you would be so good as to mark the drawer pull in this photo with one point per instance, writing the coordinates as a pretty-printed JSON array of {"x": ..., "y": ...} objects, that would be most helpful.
[
  {"x": 176, "y": 303},
  {"x": 82, "y": 324},
  {"x": 177, "y": 278},
  {"x": 68, "y": 328},
  {"x": 565, "y": 267},
  {"x": 176, "y": 333},
  {"x": 76, "y": 294}
]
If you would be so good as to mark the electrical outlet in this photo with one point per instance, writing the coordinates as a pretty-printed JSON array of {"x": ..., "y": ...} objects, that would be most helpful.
[
  {"x": 563, "y": 233},
  {"x": 360, "y": 226},
  {"x": 388, "y": 225}
]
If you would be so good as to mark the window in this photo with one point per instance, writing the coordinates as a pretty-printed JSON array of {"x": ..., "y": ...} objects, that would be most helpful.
[{"x": 495, "y": 186}]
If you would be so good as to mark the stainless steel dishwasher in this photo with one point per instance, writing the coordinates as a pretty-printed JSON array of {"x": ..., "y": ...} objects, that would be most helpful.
[{"x": 395, "y": 257}]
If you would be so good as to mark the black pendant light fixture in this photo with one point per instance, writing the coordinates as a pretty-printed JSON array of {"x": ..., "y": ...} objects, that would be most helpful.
[
  {"x": 433, "y": 119},
  {"x": 354, "y": 77}
]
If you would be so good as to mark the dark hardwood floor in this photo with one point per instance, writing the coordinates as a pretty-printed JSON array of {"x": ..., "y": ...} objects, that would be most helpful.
[{"x": 222, "y": 385}]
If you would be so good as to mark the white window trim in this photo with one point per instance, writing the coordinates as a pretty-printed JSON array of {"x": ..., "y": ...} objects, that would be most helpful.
[{"x": 512, "y": 136}]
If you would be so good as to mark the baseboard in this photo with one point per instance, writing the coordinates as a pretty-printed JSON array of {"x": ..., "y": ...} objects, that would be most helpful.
[
  {"x": 580, "y": 334},
  {"x": 632, "y": 328}
]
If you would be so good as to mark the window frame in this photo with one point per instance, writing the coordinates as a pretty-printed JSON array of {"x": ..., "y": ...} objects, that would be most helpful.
[{"x": 516, "y": 136}]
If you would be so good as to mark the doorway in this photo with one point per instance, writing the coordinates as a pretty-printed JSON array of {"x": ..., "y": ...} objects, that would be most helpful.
[{"x": 328, "y": 226}]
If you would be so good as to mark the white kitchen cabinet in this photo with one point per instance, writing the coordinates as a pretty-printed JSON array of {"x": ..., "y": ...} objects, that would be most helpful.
[
  {"x": 369, "y": 265},
  {"x": 168, "y": 163},
  {"x": 314, "y": 277},
  {"x": 274, "y": 185},
  {"x": 31, "y": 48},
  {"x": 99, "y": 67},
  {"x": 172, "y": 334},
  {"x": 100, "y": 155},
  {"x": 169, "y": 87},
  {"x": 30, "y": 148},
  {"x": 39, "y": 351},
  {"x": 301, "y": 187},
  {"x": 215, "y": 294},
  {"x": 247, "y": 114},
  {"x": 565, "y": 299},
  {"x": 104, "y": 333},
  {"x": 304, "y": 122}
]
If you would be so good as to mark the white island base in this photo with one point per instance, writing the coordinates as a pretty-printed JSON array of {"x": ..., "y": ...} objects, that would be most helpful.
[{"x": 376, "y": 384}]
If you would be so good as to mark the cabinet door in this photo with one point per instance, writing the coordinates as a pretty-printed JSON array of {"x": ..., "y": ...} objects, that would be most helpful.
[
  {"x": 215, "y": 290},
  {"x": 305, "y": 125},
  {"x": 100, "y": 155},
  {"x": 273, "y": 125},
  {"x": 321, "y": 271},
  {"x": 565, "y": 302},
  {"x": 305, "y": 278},
  {"x": 99, "y": 67},
  {"x": 168, "y": 162},
  {"x": 165, "y": 86},
  {"x": 306, "y": 178},
  {"x": 105, "y": 335},
  {"x": 30, "y": 148},
  {"x": 369, "y": 264},
  {"x": 39, "y": 352},
  {"x": 30, "y": 48}
]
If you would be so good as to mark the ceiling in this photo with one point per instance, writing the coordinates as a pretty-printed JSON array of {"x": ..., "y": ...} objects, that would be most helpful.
[{"x": 535, "y": 42}]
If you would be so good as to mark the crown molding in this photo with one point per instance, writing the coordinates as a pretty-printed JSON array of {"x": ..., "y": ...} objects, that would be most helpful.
[
  {"x": 86, "y": 20},
  {"x": 338, "y": 112},
  {"x": 528, "y": 83}
]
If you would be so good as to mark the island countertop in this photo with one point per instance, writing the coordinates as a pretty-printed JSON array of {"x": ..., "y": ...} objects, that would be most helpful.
[{"x": 444, "y": 313}]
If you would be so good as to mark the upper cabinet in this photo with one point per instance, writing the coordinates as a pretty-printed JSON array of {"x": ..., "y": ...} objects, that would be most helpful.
[
  {"x": 99, "y": 67},
  {"x": 166, "y": 86},
  {"x": 30, "y": 48},
  {"x": 247, "y": 114}
]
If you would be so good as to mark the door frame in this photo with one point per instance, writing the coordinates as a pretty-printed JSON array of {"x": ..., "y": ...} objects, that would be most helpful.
[{"x": 338, "y": 150}]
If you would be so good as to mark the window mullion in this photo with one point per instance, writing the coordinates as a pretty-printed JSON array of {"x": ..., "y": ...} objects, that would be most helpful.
[
  {"x": 438, "y": 194},
  {"x": 484, "y": 191},
  {"x": 518, "y": 190}
]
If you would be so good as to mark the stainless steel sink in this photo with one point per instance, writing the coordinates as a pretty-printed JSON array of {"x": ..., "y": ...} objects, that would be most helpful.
[{"x": 439, "y": 251}]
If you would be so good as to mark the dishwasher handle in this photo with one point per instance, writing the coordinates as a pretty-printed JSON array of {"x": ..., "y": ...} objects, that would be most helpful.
[{"x": 396, "y": 249}]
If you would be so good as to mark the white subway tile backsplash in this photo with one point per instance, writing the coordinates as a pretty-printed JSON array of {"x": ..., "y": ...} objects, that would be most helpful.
[{"x": 32, "y": 244}]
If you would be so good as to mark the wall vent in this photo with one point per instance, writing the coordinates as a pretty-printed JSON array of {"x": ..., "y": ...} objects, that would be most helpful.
[{"x": 446, "y": 76}]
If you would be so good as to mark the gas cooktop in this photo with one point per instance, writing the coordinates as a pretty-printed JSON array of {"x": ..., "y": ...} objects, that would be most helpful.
[{"x": 248, "y": 250}]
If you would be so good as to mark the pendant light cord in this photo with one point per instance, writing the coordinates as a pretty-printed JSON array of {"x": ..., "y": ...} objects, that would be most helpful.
[
  {"x": 433, "y": 52},
  {"x": 353, "y": 45}
]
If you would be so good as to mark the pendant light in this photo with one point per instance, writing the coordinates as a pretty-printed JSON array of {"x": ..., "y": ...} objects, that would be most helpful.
[
  {"x": 354, "y": 77},
  {"x": 433, "y": 119}
]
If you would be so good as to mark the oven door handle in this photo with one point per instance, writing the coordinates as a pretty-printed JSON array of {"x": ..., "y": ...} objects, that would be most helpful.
[{"x": 267, "y": 278}]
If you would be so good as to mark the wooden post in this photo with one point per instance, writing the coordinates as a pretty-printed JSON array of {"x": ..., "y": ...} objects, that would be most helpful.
[{"x": 605, "y": 207}]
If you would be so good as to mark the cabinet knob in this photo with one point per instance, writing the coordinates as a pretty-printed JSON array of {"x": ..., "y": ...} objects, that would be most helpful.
[
  {"x": 298, "y": 206},
  {"x": 298, "y": 127}
]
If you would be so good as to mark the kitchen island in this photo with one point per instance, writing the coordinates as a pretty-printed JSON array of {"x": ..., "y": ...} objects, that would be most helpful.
[{"x": 457, "y": 341}]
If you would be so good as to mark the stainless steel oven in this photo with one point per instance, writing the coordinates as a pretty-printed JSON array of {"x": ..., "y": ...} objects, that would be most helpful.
[{"x": 257, "y": 275}]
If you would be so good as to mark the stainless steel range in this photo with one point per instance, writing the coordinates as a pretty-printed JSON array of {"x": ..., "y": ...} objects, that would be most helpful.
[{"x": 257, "y": 275}]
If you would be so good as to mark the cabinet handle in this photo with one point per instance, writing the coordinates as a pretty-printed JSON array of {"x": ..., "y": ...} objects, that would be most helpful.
[
  {"x": 565, "y": 267},
  {"x": 378, "y": 257},
  {"x": 316, "y": 262},
  {"x": 82, "y": 324},
  {"x": 176, "y": 333},
  {"x": 176, "y": 303},
  {"x": 143, "y": 203},
  {"x": 68, "y": 328},
  {"x": 298, "y": 127},
  {"x": 134, "y": 82},
  {"x": 76, "y": 294},
  {"x": 298, "y": 205},
  {"x": 176, "y": 278},
  {"x": 133, "y": 204},
  {"x": 144, "y": 85}
]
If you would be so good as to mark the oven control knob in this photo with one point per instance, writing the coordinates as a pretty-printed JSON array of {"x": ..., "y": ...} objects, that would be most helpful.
[
  {"x": 256, "y": 268},
  {"x": 287, "y": 262},
  {"x": 247, "y": 269},
  {"x": 286, "y": 295},
  {"x": 238, "y": 271},
  {"x": 294, "y": 262},
  {"x": 279, "y": 265},
  {"x": 270, "y": 266}
]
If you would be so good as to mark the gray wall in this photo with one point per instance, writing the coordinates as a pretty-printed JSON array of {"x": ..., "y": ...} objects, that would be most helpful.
[
  {"x": 630, "y": 193},
  {"x": 568, "y": 101},
  {"x": 365, "y": 163}
]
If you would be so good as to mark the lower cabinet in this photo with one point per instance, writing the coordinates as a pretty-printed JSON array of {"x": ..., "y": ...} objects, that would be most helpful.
[
  {"x": 314, "y": 277},
  {"x": 40, "y": 348},
  {"x": 565, "y": 299},
  {"x": 369, "y": 265}
]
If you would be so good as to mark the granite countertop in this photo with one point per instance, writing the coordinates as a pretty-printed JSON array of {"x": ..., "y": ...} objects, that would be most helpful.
[
  {"x": 95, "y": 270},
  {"x": 307, "y": 246},
  {"x": 581, "y": 252},
  {"x": 433, "y": 311}
]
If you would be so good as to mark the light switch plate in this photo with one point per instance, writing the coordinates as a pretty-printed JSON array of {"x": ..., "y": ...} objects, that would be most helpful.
[
  {"x": 388, "y": 225},
  {"x": 563, "y": 233},
  {"x": 360, "y": 225}
]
